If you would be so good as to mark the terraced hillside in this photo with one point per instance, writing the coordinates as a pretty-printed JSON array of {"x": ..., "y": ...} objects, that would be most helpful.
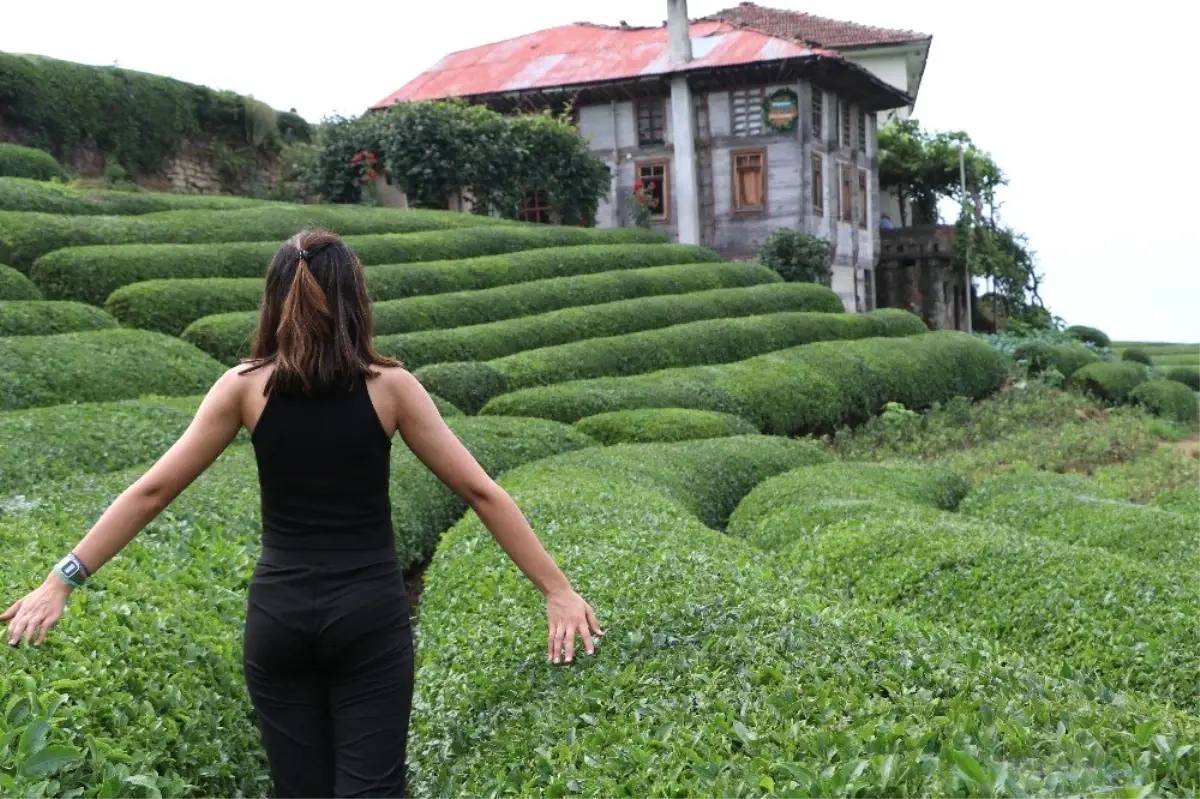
[{"x": 917, "y": 605}]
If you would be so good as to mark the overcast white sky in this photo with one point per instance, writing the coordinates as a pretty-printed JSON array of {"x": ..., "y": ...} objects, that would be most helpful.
[{"x": 1086, "y": 110}]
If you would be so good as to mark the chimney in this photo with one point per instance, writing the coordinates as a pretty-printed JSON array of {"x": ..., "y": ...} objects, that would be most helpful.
[{"x": 677, "y": 32}]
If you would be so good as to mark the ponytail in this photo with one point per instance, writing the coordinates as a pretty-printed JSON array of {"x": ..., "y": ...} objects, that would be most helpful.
[{"x": 305, "y": 321}]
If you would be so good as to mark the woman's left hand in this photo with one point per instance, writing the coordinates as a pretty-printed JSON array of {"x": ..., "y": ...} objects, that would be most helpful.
[
  {"x": 36, "y": 612},
  {"x": 568, "y": 616}
]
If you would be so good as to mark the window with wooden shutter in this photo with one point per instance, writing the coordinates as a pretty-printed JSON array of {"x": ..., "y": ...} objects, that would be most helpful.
[
  {"x": 846, "y": 126},
  {"x": 651, "y": 121},
  {"x": 818, "y": 184},
  {"x": 746, "y": 107},
  {"x": 652, "y": 177},
  {"x": 749, "y": 180},
  {"x": 846, "y": 193},
  {"x": 862, "y": 131},
  {"x": 818, "y": 113},
  {"x": 862, "y": 198}
]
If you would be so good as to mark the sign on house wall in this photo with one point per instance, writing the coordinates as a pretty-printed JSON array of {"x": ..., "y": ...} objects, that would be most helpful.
[{"x": 782, "y": 109}]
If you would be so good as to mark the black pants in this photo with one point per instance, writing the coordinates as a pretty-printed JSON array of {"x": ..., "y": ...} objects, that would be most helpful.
[{"x": 328, "y": 658}]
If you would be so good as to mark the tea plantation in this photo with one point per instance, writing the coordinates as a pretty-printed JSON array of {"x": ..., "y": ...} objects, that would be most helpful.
[{"x": 836, "y": 554}]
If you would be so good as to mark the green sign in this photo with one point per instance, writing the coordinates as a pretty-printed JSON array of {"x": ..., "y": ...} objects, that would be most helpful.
[{"x": 781, "y": 110}]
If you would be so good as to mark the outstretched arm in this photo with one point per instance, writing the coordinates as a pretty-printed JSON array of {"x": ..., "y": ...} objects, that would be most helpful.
[
  {"x": 426, "y": 434},
  {"x": 215, "y": 425}
]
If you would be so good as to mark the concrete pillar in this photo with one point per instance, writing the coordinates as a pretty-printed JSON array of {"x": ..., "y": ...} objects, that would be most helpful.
[{"x": 683, "y": 126}]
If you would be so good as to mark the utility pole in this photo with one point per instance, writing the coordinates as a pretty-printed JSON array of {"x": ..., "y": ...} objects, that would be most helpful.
[{"x": 962, "y": 177}]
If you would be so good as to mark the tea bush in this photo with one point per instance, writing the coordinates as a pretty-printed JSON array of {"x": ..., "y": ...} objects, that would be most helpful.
[
  {"x": 18, "y": 194},
  {"x": 724, "y": 673},
  {"x": 46, "y": 317},
  {"x": 1136, "y": 356},
  {"x": 1167, "y": 398},
  {"x": 100, "y": 365},
  {"x": 1187, "y": 375},
  {"x": 169, "y": 306},
  {"x": 27, "y": 162},
  {"x": 1089, "y": 335},
  {"x": 90, "y": 274},
  {"x": 1041, "y": 356},
  {"x": 662, "y": 425},
  {"x": 26, "y": 235},
  {"x": 15, "y": 286},
  {"x": 810, "y": 388},
  {"x": 1110, "y": 381}
]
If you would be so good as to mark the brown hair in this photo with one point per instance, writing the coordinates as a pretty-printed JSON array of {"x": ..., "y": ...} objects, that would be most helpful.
[{"x": 315, "y": 323}]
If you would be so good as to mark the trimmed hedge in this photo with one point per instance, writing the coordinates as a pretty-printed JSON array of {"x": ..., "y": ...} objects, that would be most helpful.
[
  {"x": 15, "y": 286},
  {"x": 169, "y": 306},
  {"x": 1167, "y": 398},
  {"x": 1136, "y": 356},
  {"x": 1188, "y": 375},
  {"x": 1067, "y": 359},
  {"x": 100, "y": 365},
  {"x": 725, "y": 675},
  {"x": 19, "y": 194},
  {"x": 1110, "y": 381},
  {"x": 26, "y": 235},
  {"x": 27, "y": 162},
  {"x": 1072, "y": 509},
  {"x": 47, "y": 317},
  {"x": 816, "y": 387},
  {"x": 1089, "y": 335},
  {"x": 661, "y": 425},
  {"x": 90, "y": 274}
]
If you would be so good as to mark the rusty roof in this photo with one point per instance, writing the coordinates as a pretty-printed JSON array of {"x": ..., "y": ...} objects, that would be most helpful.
[
  {"x": 813, "y": 30},
  {"x": 583, "y": 54}
]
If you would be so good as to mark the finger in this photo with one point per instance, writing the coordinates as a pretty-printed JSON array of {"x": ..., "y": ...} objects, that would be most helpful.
[
  {"x": 41, "y": 639},
  {"x": 559, "y": 634},
  {"x": 588, "y": 645},
  {"x": 550, "y": 643},
  {"x": 31, "y": 630},
  {"x": 16, "y": 628},
  {"x": 592, "y": 622},
  {"x": 572, "y": 629},
  {"x": 8, "y": 614}
]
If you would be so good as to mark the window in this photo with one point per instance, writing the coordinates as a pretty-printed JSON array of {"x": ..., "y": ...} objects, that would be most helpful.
[
  {"x": 535, "y": 208},
  {"x": 818, "y": 113},
  {"x": 862, "y": 198},
  {"x": 749, "y": 180},
  {"x": 844, "y": 137},
  {"x": 651, "y": 121},
  {"x": 869, "y": 286},
  {"x": 746, "y": 106},
  {"x": 818, "y": 184},
  {"x": 846, "y": 193},
  {"x": 862, "y": 131},
  {"x": 653, "y": 176}
]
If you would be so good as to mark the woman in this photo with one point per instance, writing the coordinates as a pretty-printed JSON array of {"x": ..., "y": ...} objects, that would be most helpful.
[{"x": 328, "y": 645}]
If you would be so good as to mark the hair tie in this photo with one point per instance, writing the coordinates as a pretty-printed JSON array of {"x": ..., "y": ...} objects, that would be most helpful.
[{"x": 303, "y": 255}]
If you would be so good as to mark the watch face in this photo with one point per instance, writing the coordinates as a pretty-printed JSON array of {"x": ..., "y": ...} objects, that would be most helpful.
[{"x": 71, "y": 569}]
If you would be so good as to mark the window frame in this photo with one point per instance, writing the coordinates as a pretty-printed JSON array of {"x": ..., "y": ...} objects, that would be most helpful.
[
  {"x": 845, "y": 193},
  {"x": 845, "y": 124},
  {"x": 862, "y": 131},
  {"x": 747, "y": 210},
  {"x": 816, "y": 166},
  {"x": 816, "y": 111},
  {"x": 756, "y": 95},
  {"x": 864, "y": 186},
  {"x": 665, "y": 163},
  {"x": 537, "y": 207},
  {"x": 648, "y": 103}
]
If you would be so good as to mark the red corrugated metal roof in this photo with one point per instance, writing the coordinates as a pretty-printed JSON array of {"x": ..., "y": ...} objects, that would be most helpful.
[
  {"x": 583, "y": 54},
  {"x": 809, "y": 28}
]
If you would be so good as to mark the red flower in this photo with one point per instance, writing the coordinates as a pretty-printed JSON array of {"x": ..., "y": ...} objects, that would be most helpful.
[
  {"x": 637, "y": 185},
  {"x": 653, "y": 185}
]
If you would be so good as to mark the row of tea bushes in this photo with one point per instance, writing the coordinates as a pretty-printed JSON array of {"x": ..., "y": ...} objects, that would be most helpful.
[
  {"x": 661, "y": 425},
  {"x": 26, "y": 235},
  {"x": 17, "y": 194},
  {"x": 170, "y": 306},
  {"x": 227, "y": 336},
  {"x": 96, "y": 366},
  {"x": 15, "y": 286},
  {"x": 816, "y": 387},
  {"x": 138, "y": 681},
  {"x": 723, "y": 673},
  {"x": 719, "y": 337},
  {"x": 48, "y": 317}
]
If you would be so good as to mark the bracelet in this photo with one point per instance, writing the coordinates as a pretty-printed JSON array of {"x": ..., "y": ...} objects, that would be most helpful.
[{"x": 71, "y": 571}]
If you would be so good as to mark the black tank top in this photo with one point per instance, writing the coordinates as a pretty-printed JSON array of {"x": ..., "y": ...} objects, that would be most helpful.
[{"x": 323, "y": 468}]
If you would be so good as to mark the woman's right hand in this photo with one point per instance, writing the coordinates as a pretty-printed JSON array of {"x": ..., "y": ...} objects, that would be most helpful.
[
  {"x": 568, "y": 615},
  {"x": 36, "y": 612}
]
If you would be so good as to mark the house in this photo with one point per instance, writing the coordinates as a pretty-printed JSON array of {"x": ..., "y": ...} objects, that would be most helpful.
[{"x": 737, "y": 124}]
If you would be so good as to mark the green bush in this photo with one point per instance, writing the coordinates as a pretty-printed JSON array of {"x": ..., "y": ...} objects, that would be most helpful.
[
  {"x": 44, "y": 318},
  {"x": 588, "y": 322},
  {"x": 26, "y": 235},
  {"x": 1187, "y": 375},
  {"x": 445, "y": 407},
  {"x": 1168, "y": 399},
  {"x": 792, "y": 507},
  {"x": 816, "y": 387},
  {"x": 169, "y": 306},
  {"x": 1136, "y": 356},
  {"x": 1110, "y": 381},
  {"x": 1089, "y": 335},
  {"x": 651, "y": 425},
  {"x": 100, "y": 365},
  {"x": 725, "y": 675},
  {"x": 27, "y": 162},
  {"x": 1042, "y": 356},
  {"x": 796, "y": 256},
  {"x": 15, "y": 286},
  {"x": 467, "y": 384},
  {"x": 90, "y": 274},
  {"x": 19, "y": 194},
  {"x": 1072, "y": 509},
  {"x": 710, "y": 341}
]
